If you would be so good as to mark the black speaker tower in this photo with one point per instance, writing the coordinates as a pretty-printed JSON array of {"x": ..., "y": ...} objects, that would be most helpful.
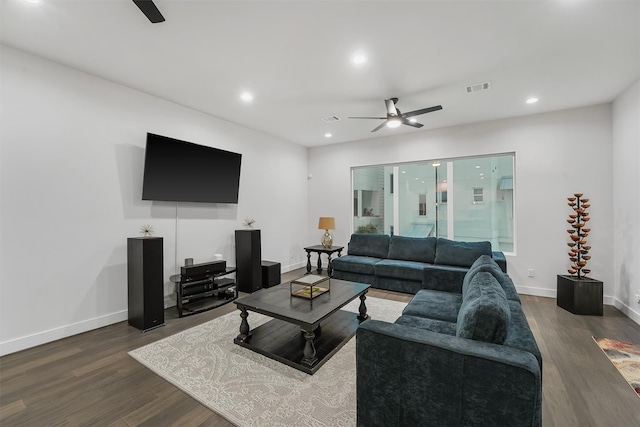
[
  {"x": 145, "y": 283},
  {"x": 248, "y": 254}
]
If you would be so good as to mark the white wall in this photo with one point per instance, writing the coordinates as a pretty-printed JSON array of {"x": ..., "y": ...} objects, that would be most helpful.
[
  {"x": 557, "y": 154},
  {"x": 71, "y": 157},
  {"x": 626, "y": 201},
  {"x": 72, "y": 153}
]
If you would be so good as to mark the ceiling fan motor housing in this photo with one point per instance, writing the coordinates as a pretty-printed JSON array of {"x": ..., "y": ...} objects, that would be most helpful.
[{"x": 395, "y": 117}]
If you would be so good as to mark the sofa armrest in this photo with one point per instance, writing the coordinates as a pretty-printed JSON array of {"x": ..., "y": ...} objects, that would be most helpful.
[
  {"x": 409, "y": 376},
  {"x": 501, "y": 260}
]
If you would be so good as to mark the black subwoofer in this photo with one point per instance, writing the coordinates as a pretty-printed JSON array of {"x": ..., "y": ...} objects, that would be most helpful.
[{"x": 270, "y": 273}]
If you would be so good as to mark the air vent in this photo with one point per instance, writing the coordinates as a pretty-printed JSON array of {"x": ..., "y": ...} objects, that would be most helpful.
[
  {"x": 478, "y": 87},
  {"x": 330, "y": 119}
]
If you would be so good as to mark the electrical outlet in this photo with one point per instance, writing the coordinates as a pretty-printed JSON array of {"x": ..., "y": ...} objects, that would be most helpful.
[{"x": 530, "y": 273}]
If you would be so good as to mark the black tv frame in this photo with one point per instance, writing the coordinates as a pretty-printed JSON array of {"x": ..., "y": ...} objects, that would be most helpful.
[{"x": 181, "y": 171}]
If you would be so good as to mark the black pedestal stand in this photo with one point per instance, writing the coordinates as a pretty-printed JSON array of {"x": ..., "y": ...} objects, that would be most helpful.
[{"x": 580, "y": 295}]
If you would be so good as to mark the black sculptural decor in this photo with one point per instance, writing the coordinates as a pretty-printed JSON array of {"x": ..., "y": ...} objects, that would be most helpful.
[
  {"x": 579, "y": 251},
  {"x": 578, "y": 293}
]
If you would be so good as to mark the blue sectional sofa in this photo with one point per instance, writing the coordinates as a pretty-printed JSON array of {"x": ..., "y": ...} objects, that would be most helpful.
[
  {"x": 409, "y": 264},
  {"x": 461, "y": 354}
]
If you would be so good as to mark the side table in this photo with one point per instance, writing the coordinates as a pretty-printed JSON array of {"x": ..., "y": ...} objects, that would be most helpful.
[{"x": 319, "y": 249}]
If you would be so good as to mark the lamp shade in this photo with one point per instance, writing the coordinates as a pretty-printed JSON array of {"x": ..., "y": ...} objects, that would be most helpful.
[{"x": 326, "y": 223}]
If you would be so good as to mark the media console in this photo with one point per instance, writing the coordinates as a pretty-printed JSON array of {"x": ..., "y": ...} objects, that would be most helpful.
[{"x": 202, "y": 287}]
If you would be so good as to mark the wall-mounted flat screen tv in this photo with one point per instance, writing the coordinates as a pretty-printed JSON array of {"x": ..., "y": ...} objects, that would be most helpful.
[{"x": 181, "y": 171}]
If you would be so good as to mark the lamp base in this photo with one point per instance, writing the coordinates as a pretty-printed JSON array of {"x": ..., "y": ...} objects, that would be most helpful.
[{"x": 327, "y": 239}]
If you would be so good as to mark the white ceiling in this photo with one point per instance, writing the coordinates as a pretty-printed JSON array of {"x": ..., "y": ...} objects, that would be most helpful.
[{"x": 295, "y": 56}]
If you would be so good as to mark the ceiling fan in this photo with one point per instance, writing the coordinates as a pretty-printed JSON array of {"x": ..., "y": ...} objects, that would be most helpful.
[
  {"x": 150, "y": 10},
  {"x": 395, "y": 118}
]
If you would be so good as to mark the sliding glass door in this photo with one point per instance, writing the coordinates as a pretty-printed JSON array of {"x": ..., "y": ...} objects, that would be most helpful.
[
  {"x": 421, "y": 211},
  {"x": 369, "y": 197},
  {"x": 483, "y": 200},
  {"x": 469, "y": 199}
]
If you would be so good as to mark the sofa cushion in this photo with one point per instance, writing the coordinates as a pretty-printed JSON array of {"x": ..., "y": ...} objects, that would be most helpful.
[
  {"x": 434, "y": 305},
  {"x": 488, "y": 264},
  {"x": 355, "y": 264},
  {"x": 433, "y": 325},
  {"x": 420, "y": 249},
  {"x": 447, "y": 278},
  {"x": 519, "y": 333},
  {"x": 408, "y": 270},
  {"x": 462, "y": 254},
  {"x": 484, "y": 314},
  {"x": 510, "y": 289},
  {"x": 371, "y": 245},
  {"x": 397, "y": 285},
  {"x": 500, "y": 259},
  {"x": 369, "y": 279},
  {"x": 483, "y": 263}
]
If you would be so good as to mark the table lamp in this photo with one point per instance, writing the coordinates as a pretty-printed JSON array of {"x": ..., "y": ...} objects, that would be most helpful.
[{"x": 327, "y": 223}]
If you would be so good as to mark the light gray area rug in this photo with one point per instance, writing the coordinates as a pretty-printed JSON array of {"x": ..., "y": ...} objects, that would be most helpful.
[{"x": 249, "y": 389}]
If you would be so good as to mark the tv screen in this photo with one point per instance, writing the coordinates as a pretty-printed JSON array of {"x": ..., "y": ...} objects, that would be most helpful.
[{"x": 181, "y": 171}]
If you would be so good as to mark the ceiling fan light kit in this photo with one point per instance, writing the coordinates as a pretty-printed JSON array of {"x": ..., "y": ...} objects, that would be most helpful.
[
  {"x": 396, "y": 118},
  {"x": 394, "y": 122}
]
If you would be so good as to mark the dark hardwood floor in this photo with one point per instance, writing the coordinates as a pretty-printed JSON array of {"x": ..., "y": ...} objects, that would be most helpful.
[{"x": 90, "y": 380}]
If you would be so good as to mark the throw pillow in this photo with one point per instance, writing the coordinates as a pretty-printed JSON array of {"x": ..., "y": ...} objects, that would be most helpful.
[
  {"x": 372, "y": 245},
  {"x": 419, "y": 249},
  {"x": 485, "y": 313}
]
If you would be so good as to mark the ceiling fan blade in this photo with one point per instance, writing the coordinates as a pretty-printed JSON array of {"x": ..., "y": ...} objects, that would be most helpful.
[
  {"x": 379, "y": 127},
  {"x": 150, "y": 10},
  {"x": 380, "y": 118},
  {"x": 409, "y": 123},
  {"x": 422, "y": 111},
  {"x": 391, "y": 106}
]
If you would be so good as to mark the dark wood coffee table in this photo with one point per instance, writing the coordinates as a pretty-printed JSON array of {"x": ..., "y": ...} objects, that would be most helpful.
[{"x": 303, "y": 333}]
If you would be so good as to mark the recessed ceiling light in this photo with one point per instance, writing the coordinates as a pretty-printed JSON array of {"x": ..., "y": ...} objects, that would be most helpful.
[
  {"x": 359, "y": 58},
  {"x": 532, "y": 100},
  {"x": 477, "y": 166},
  {"x": 327, "y": 135},
  {"x": 413, "y": 120},
  {"x": 246, "y": 96}
]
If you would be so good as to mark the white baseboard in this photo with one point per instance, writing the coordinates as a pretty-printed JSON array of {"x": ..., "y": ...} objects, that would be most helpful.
[
  {"x": 291, "y": 267},
  {"x": 28, "y": 341},
  {"x": 606, "y": 299},
  {"x": 628, "y": 311},
  {"x": 17, "y": 344},
  {"x": 170, "y": 300},
  {"x": 538, "y": 292}
]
